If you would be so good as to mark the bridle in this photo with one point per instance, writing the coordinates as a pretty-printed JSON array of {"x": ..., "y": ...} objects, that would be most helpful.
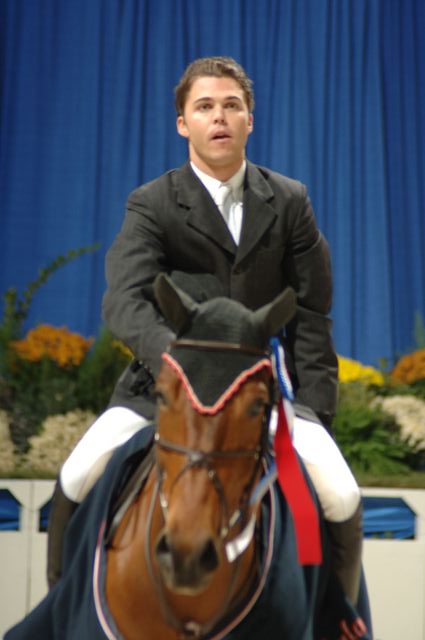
[
  {"x": 218, "y": 345},
  {"x": 199, "y": 459},
  {"x": 205, "y": 460}
]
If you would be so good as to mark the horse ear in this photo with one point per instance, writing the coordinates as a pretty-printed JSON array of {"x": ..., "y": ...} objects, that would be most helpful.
[
  {"x": 176, "y": 306},
  {"x": 273, "y": 316}
]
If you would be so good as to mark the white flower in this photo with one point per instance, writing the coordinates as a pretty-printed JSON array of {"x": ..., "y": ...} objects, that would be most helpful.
[
  {"x": 409, "y": 413},
  {"x": 7, "y": 453},
  {"x": 58, "y": 437}
]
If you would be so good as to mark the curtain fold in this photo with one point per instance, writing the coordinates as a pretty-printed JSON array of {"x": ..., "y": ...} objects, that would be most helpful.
[{"x": 86, "y": 115}]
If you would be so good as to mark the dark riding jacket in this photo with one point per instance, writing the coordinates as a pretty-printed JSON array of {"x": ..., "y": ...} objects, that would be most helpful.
[{"x": 172, "y": 224}]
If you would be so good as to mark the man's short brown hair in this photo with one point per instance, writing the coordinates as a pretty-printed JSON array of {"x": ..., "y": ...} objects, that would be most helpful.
[{"x": 219, "y": 67}]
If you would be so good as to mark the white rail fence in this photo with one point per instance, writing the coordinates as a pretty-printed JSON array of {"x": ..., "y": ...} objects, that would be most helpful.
[{"x": 395, "y": 569}]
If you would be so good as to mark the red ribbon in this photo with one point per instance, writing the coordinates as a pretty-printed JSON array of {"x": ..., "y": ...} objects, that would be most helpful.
[{"x": 298, "y": 496}]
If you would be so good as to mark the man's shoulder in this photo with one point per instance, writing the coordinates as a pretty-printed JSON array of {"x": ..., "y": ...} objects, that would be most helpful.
[
  {"x": 274, "y": 178},
  {"x": 158, "y": 187},
  {"x": 278, "y": 182}
]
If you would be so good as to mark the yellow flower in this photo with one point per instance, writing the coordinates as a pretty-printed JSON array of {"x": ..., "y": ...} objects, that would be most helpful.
[
  {"x": 57, "y": 344},
  {"x": 350, "y": 370}
]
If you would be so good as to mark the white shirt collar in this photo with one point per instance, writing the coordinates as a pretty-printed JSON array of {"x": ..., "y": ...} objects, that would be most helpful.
[{"x": 212, "y": 184}]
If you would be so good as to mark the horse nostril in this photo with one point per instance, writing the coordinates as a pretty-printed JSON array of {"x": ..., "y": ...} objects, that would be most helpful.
[
  {"x": 183, "y": 566},
  {"x": 209, "y": 557},
  {"x": 162, "y": 546}
]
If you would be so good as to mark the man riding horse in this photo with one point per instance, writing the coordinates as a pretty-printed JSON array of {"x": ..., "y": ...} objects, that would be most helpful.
[{"x": 248, "y": 247}]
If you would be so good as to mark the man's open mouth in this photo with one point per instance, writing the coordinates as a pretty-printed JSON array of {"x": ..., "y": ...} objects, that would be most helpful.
[{"x": 221, "y": 136}]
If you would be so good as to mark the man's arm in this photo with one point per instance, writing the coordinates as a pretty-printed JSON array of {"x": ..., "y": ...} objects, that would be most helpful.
[
  {"x": 135, "y": 258},
  {"x": 309, "y": 335}
]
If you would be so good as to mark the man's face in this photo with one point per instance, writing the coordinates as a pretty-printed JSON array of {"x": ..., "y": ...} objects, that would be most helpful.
[{"x": 217, "y": 123}]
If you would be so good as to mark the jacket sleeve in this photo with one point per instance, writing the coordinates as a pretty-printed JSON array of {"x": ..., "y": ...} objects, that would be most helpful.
[
  {"x": 135, "y": 258},
  {"x": 309, "y": 335}
]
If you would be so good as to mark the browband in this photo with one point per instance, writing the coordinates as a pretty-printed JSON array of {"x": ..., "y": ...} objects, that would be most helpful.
[{"x": 216, "y": 345}]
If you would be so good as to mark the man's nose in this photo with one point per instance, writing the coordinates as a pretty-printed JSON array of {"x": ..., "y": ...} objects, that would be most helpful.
[{"x": 219, "y": 114}]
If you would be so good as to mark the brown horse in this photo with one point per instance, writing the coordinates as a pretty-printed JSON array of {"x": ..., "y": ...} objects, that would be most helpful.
[
  {"x": 186, "y": 535},
  {"x": 167, "y": 568},
  {"x": 170, "y": 570}
]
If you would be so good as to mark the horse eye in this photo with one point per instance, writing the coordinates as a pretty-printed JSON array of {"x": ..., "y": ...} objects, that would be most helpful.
[
  {"x": 161, "y": 400},
  {"x": 257, "y": 407}
]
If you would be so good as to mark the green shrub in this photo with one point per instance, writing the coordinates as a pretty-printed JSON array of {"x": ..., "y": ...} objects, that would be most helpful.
[
  {"x": 369, "y": 438},
  {"x": 16, "y": 309},
  {"x": 99, "y": 372},
  {"x": 51, "y": 370}
]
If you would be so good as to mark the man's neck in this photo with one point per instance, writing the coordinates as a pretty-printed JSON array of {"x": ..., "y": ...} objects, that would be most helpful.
[
  {"x": 211, "y": 183},
  {"x": 223, "y": 174}
]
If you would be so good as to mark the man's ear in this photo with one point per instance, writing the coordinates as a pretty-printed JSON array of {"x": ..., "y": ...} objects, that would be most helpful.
[
  {"x": 251, "y": 123},
  {"x": 181, "y": 127}
]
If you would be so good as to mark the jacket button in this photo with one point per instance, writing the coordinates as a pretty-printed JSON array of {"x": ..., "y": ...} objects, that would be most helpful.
[{"x": 237, "y": 271}]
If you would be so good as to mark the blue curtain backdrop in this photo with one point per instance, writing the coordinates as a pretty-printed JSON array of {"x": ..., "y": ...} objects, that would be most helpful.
[{"x": 86, "y": 114}]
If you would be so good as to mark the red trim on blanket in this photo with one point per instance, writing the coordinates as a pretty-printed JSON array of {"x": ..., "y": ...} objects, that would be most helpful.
[
  {"x": 97, "y": 581},
  {"x": 97, "y": 587}
]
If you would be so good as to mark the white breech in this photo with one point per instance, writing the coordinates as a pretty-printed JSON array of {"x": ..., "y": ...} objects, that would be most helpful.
[
  {"x": 88, "y": 460},
  {"x": 335, "y": 485}
]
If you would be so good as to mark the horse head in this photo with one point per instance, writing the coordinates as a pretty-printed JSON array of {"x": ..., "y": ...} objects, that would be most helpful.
[{"x": 215, "y": 392}]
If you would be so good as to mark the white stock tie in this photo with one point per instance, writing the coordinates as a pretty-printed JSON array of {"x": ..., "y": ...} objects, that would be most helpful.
[
  {"x": 229, "y": 209},
  {"x": 223, "y": 200}
]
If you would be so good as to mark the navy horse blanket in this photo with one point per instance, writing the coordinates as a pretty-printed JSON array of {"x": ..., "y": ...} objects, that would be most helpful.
[{"x": 291, "y": 602}]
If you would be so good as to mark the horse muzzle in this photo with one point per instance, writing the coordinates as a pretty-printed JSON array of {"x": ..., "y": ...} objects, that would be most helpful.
[{"x": 186, "y": 569}]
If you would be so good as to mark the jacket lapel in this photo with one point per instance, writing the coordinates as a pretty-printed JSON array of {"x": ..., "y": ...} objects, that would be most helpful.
[
  {"x": 202, "y": 212},
  {"x": 203, "y": 215},
  {"x": 258, "y": 214}
]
